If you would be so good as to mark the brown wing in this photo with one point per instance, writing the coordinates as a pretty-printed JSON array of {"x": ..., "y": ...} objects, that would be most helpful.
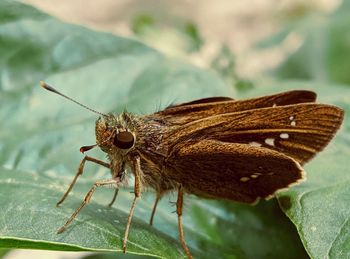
[
  {"x": 201, "y": 101},
  {"x": 199, "y": 109},
  {"x": 298, "y": 131},
  {"x": 238, "y": 172}
]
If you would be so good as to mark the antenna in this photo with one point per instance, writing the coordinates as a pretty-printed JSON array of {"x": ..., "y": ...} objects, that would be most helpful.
[{"x": 51, "y": 89}]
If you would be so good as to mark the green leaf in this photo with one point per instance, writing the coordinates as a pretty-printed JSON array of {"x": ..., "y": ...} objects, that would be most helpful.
[
  {"x": 41, "y": 134},
  {"x": 323, "y": 55}
]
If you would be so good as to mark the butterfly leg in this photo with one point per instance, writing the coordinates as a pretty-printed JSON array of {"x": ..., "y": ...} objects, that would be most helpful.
[
  {"x": 80, "y": 172},
  {"x": 137, "y": 191},
  {"x": 179, "y": 205},
  {"x": 158, "y": 197},
  {"x": 114, "y": 197},
  {"x": 87, "y": 200}
]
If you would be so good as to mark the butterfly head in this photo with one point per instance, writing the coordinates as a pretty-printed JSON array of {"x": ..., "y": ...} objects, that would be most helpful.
[{"x": 114, "y": 133}]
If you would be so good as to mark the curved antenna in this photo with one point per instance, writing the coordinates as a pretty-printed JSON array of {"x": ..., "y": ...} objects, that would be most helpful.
[{"x": 50, "y": 88}]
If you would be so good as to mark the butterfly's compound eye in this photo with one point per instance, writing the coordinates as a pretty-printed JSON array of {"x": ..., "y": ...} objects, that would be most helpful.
[{"x": 124, "y": 140}]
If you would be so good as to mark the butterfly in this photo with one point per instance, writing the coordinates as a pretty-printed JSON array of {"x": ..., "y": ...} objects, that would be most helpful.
[{"x": 215, "y": 148}]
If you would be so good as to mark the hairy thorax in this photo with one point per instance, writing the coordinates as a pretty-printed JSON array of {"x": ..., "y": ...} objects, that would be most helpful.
[{"x": 149, "y": 144}]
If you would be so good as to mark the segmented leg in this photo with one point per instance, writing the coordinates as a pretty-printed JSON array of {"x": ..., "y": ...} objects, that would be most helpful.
[
  {"x": 114, "y": 197},
  {"x": 87, "y": 200},
  {"x": 80, "y": 172},
  {"x": 179, "y": 205},
  {"x": 137, "y": 191},
  {"x": 154, "y": 208}
]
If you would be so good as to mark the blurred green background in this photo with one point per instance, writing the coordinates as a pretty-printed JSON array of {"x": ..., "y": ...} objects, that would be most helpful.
[{"x": 144, "y": 55}]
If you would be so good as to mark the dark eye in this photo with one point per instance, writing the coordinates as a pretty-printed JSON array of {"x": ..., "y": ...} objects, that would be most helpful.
[{"x": 124, "y": 140}]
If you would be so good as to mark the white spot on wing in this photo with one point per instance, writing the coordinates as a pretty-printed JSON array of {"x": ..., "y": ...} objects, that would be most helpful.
[
  {"x": 274, "y": 105},
  {"x": 284, "y": 135},
  {"x": 293, "y": 123},
  {"x": 244, "y": 179},
  {"x": 255, "y": 144},
  {"x": 270, "y": 141}
]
